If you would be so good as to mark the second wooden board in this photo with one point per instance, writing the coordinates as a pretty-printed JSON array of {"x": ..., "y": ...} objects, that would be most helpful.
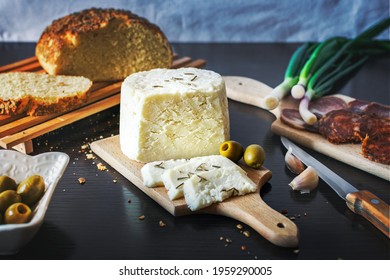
[
  {"x": 250, "y": 91},
  {"x": 249, "y": 209}
]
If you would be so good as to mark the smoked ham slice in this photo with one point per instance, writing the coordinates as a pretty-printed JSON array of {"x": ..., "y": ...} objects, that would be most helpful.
[{"x": 326, "y": 104}]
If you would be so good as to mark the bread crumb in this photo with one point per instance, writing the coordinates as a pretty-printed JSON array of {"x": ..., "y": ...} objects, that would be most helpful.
[
  {"x": 162, "y": 224},
  {"x": 101, "y": 166},
  {"x": 90, "y": 156},
  {"x": 82, "y": 180}
]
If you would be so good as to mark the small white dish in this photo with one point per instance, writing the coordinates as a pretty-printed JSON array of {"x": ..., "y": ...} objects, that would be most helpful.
[{"x": 18, "y": 166}]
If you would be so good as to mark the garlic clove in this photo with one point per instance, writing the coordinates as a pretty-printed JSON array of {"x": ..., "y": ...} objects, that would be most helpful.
[
  {"x": 293, "y": 163},
  {"x": 306, "y": 181}
]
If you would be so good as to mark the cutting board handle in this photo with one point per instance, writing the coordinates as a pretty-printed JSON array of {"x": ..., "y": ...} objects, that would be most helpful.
[
  {"x": 248, "y": 91},
  {"x": 254, "y": 212}
]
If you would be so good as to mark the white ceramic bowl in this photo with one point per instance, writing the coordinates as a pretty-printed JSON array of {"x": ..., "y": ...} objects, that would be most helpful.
[{"x": 19, "y": 166}]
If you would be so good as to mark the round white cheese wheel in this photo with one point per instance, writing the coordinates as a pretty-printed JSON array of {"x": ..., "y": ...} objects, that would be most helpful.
[{"x": 173, "y": 113}]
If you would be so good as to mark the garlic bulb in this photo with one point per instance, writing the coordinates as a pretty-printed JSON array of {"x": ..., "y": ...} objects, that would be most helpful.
[
  {"x": 306, "y": 181},
  {"x": 293, "y": 163}
]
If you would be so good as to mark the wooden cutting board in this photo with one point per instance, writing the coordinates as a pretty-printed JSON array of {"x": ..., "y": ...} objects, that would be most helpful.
[
  {"x": 251, "y": 92},
  {"x": 249, "y": 209}
]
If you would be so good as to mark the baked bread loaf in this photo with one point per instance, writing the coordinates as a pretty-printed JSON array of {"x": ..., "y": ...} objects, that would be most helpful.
[
  {"x": 41, "y": 94},
  {"x": 102, "y": 45}
]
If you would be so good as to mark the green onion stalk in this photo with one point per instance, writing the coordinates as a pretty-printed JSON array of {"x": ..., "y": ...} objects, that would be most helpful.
[
  {"x": 298, "y": 59},
  {"x": 371, "y": 47},
  {"x": 351, "y": 55},
  {"x": 321, "y": 54},
  {"x": 320, "y": 85}
]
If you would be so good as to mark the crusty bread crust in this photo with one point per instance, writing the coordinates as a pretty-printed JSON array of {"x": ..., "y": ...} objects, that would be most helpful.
[
  {"x": 34, "y": 107},
  {"x": 102, "y": 45},
  {"x": 19, "y": 93},
  {"x": 65, "y": 104},
  {"x": 14, "y": 106}
]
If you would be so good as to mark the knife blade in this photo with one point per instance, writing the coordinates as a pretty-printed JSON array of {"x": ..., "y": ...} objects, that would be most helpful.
[{"x": 361, "y": 202}]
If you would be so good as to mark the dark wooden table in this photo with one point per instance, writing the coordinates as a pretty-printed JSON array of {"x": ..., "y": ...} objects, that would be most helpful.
[{"x": 99, "y": 220}]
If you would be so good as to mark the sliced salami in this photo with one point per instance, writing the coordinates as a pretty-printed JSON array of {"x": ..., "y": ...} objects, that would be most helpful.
[
  {"x": 340, "y": 126},
  {"x": 326, "y": 104},
  {"x": 355, "y": 122},
  {"x": 373, "y": 125},
  {"x": 377, "y": 147}
]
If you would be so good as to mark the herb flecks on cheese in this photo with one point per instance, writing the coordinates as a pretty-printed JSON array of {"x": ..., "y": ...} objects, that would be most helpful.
[
  {"x": 201, "y": 180},
  {"x": 172, "y": 178},
  {"x": 172, "y": 114},
  {"x": 216, "y": 185},
  {"x": 152, "y": 171}
]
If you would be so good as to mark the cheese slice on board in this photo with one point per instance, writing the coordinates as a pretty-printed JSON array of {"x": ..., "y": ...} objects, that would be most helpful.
[
  {"x": 152, "y": 171},
  {"x": 173, "y": 179},
  {"x": 206, "y": 188}
]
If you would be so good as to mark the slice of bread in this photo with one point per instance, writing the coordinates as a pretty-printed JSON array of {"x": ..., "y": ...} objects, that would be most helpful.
[
  {"x": 102, "y": 45},
  {"x": 41, "y": 94}
]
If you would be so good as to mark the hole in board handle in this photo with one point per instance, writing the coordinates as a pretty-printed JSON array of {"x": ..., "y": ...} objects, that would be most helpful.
[{"x": 280, "y": 225}]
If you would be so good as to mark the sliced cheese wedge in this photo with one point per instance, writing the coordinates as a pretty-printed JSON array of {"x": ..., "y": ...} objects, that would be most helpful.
[
  {"x": 152, "y": 171},
  {"x": 173, "y": 179},
  {"x": 206, "y": 188}
]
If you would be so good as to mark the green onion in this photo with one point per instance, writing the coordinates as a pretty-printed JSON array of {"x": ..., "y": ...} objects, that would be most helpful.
[
  {"x": 298, "y": 59},
  {"x": 371, "y": 47},
  {"x": 325, "y": 86},
  {"x": 351, "y": 55},
  {"x": 321, "y": 54},
  {"x": 375, "y": 29}
]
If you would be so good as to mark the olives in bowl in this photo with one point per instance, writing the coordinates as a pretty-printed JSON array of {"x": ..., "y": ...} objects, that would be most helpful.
[
  {"x": 17, "y": 213},
  {"x": 7, "y": 198},
  {"x": 18, "y": 166},
  {"x": 15, "y": 206},
  {"x": 31, "y": 189},
  {"x": 7, "y": 183}
]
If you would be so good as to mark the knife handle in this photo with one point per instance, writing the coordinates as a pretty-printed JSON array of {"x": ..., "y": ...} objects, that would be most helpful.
[{"x": 372, "y": 208}]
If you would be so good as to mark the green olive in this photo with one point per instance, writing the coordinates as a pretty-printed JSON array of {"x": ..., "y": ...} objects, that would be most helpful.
[
  {"x": 254, "y": 156},
  {"x": 17, "y": 213},
  {"x": 8, "y": 198},
  {"x": 7, "y": 183},
  {"x": 31, "y": 189},
  {"x": 232, "y": 150}
]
